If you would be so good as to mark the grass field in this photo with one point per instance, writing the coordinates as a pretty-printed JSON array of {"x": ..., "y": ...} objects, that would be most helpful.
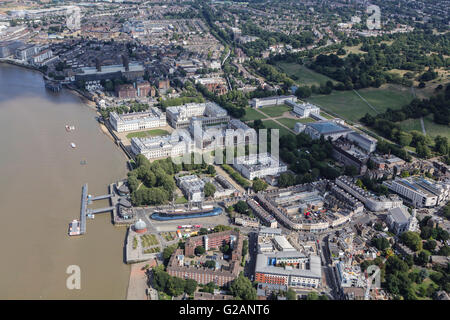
[
  {"x": 252, "y": 114},
  {"x": 410, "y": 125},
  {"x": 433, "y": 129},
  {"x": 275, "y": 111},
  {"x": 304, "y": 75},
  {"x": 270, "y": 124},
  {"x": 350, "y": 106},
  {"x": 149, "y": 133},
  {"x": 354, "y": 50},
  {"x": 289, "y": 122},
  {"x": 326, "y": 115}
]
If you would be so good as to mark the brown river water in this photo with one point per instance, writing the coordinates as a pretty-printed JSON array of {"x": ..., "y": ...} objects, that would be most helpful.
[{"x": 40, "y": 190}]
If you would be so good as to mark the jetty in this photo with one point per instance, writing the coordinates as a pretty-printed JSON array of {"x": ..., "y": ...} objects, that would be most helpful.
[
  {"x": 53, "y": 86},
  {"x": 86, "y": 199}
]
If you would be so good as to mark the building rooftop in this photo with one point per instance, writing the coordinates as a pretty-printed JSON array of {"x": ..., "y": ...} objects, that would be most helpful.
[
  {"x": 400, "y": 215},
  {"x": 327, "y": 127},
  {"x": 313, "y": 271}
]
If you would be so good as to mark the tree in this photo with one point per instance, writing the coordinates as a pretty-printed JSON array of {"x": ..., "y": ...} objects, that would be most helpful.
[
  {"x": 199, "y": 250},
  {"x": 241, "y": 207},
  {"x": 430, "y": 245},
  {"x": 444, "y": 251},
  {"x": 209, "y": 264},
  {"x": 312, "y": 296},
  {"x": 168, "y": 251},
  {"x": 259, "y": 185},
  {"x": 291, "y": 295},
  {"x": 211, "y": 170},
  {"x": 350, "y": 171},
  {"x": 225, "y": 248},
  {"x": 287, "y": 179},
  {"x": 242, "y": 288},
  {"x": 422, "y": 258},
  {"x": 160, "y": 278},
  {"x": 175, "y": 286},
  {"x": 209, "y": 287},
  {"x": 411, "y": 240},
  {"x": 244, "y": 247},
  {"x": 380, "y": 243},
  {"x": 209, "y": 189}
]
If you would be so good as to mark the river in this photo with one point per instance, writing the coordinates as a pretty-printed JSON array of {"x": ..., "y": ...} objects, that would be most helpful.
[{"x": 40, "y": 190}]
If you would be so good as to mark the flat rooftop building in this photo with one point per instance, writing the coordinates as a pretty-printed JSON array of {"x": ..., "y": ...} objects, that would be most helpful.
[
  {"x": 289, "y": 268},
  {"x": 420, "y": 192},
  {"x": 259, "y": 165},
  {"x": 327, "y": 129}
]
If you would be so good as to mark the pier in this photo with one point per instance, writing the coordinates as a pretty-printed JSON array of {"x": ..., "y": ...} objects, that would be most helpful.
[{"x": 85, "y": 211}]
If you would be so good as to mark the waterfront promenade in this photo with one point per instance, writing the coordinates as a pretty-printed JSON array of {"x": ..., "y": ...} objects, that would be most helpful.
[{"x": 137, "y": 285}]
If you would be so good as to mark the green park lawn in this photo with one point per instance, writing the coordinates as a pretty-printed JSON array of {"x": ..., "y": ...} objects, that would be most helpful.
[
  {"x": 290, "y": 123},
  {"x": 433, "y": 129},
  {"x": 149, "y": 133},
  {"x": 275, "y": 111},
  {"x": 270, "y": 124},
  {"x": 348, "y": 105},
  {"x": 181, "y": 200},
  {"x": 410, "y": 125},
  {"x": 251, "y": 114},
  {"x": 326, "y": 115},
  {"x": 304, "y": 75}
]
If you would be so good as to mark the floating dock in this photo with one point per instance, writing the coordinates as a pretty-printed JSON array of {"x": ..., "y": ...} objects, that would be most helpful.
[{"x": 85, "y": 211}]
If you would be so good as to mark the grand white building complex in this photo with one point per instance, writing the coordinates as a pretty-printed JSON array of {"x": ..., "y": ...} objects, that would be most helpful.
[
  {"x": 208, "y": 112},
  {"x": 154, "y": 118},
  {"x": 162, "y": 147},
  {"x": 420, "y": 192},
  {"x": 304, "y": 110},
  {"x": 271, "y": 101},
  {"x": 259, "y": 165}
]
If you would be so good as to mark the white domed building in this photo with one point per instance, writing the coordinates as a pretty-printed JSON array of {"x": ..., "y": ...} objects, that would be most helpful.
[{"x": 140, "y": 226}]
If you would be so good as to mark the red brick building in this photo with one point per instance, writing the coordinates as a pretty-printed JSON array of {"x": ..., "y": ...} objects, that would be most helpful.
[
  {"x": 163, "y": 85},
  {"x": 125, "y": 91},
  {"x": 143, "y": 88},
  {"x": 223, "y": 277},
  {"x": 216, "y": 240}
]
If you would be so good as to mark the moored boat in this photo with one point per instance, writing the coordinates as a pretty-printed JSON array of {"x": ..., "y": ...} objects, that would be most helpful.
[{"x": 74, "y": 228}]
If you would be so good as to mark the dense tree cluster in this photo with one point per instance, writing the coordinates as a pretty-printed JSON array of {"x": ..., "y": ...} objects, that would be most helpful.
[
  {"x": 152, "y": 183},
  {"x": 242, "y": 289},
  {"x": 308, "y": 158},
  {"x": 411, "y": 51},
  {"x": 172, "y": 286}
]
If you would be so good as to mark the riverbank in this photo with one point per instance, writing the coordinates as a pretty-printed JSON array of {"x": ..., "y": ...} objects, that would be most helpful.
[{"x": 137, "y": 285}]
